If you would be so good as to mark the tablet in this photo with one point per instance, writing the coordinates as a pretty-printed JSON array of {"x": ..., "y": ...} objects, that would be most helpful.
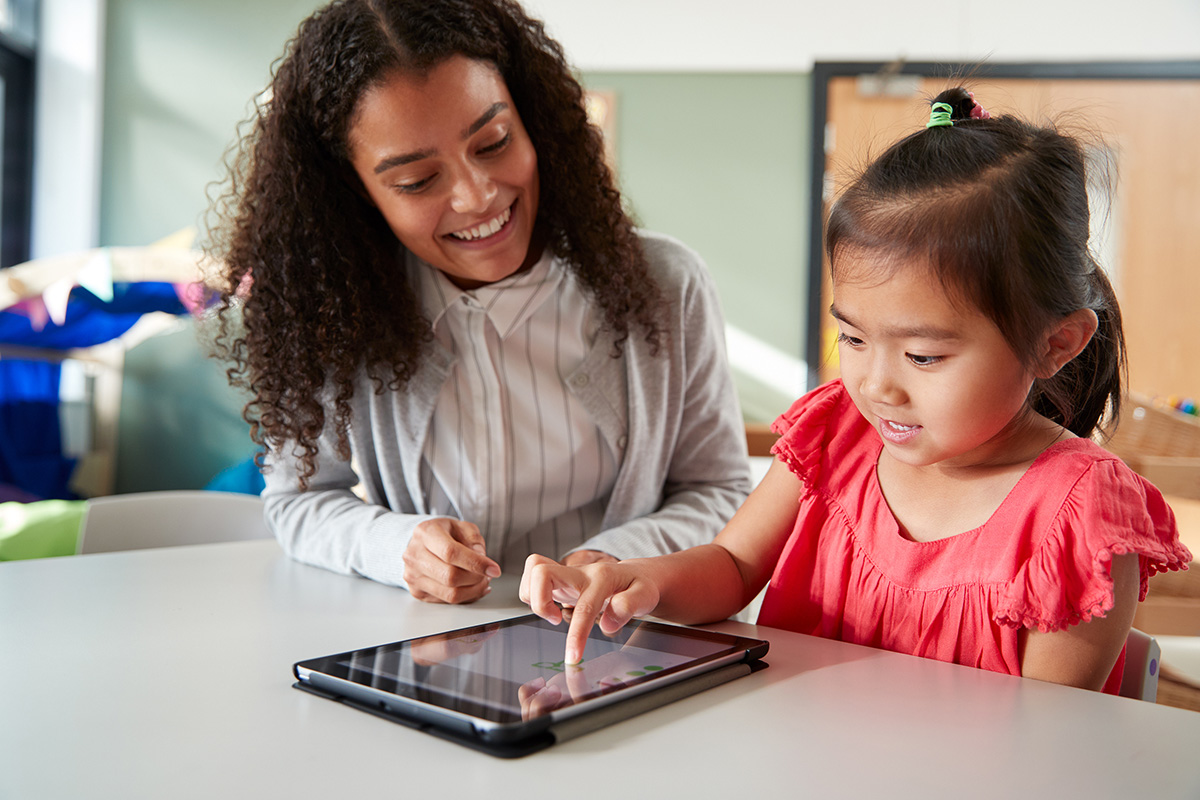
[{"x": 503, "y": 687}]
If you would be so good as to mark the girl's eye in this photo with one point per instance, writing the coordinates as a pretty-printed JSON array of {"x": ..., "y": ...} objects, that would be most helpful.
[
  {"x": 850, "y": 340},
  {"x": 923, "y": 361},
  {"x": 496, "y": 146}
]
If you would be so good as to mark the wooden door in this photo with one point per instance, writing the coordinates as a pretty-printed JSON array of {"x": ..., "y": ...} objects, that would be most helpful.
[{"x": 1149, "y": 237}]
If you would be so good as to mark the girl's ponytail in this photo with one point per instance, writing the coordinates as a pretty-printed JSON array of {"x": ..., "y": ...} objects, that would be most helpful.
[{"x": 998, "y": 208}]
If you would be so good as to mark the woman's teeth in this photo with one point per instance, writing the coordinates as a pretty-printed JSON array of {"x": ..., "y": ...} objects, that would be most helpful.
[{"x": 486, "y": 229}]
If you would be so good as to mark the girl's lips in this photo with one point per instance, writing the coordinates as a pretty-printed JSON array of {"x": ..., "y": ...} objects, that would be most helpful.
[{"x": 897, "y": 433}]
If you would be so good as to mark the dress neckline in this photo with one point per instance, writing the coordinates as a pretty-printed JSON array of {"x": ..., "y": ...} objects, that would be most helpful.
[{"x": 893, "y": 532}]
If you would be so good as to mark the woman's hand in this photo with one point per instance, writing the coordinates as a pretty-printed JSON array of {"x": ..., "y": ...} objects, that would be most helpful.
[
  {"x": 446, "y": 562},
  {"x": 608, "y": 592}
]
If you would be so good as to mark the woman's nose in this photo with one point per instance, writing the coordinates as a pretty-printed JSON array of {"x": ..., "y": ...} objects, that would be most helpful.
[{"x": 474, "y": 191}]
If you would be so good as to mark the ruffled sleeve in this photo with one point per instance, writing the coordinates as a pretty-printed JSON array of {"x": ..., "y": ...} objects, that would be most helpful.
[
  {"x": 807, "y": 429},
  {"x": 1109, "y": 511}
]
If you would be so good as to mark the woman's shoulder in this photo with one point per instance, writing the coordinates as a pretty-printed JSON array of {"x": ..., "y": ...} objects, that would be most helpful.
[{"x": 669, "y": 258}]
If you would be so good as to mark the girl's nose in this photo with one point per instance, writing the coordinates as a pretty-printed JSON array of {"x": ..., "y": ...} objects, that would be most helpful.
[
  {"x": 474, "y": 191},
  {"x": 879, "y": 386}
]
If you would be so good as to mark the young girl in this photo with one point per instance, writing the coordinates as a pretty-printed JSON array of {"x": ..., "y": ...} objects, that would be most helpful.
[{"x": 943, "y": 498}]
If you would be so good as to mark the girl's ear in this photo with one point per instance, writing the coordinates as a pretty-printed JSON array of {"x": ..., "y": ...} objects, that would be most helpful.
[{"x": 1066, "y": 339}]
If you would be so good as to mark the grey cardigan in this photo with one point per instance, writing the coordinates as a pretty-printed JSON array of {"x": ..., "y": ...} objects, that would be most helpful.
[{"x": 672, "y": 420}]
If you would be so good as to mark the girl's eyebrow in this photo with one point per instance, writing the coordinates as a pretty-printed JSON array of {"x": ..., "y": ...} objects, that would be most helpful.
[
  {"x": 467, "y": 132},
  {"x": 931, "y": 332}
]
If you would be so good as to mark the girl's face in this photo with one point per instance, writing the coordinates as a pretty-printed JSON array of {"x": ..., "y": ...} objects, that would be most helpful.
[
  {"x": 446, "y": 160},
  {"x": 935, "y": 378}
]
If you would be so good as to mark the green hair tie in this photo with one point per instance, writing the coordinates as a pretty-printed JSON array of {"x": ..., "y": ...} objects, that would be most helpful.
[{"x": 939, "y": 116}]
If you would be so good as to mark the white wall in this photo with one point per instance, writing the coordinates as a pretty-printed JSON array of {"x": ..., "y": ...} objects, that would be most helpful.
[
  {"x": 640, "y": 35},
  {"x": 789, "y": 35}
]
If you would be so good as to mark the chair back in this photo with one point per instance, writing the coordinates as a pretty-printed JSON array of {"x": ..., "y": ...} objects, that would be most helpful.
[
  {"x": 166, "y": 519},
  {"x": 1142, "y": 658}
]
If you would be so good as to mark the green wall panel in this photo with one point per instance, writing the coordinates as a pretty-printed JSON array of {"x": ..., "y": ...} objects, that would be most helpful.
[{"x": 721, "y": 162}]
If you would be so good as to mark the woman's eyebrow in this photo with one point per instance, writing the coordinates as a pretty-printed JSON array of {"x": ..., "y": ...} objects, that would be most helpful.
[
  {"x": 484, "y": 119},
  {"x": 469, "y": 131},
  {"x": 400, "y": 160}
]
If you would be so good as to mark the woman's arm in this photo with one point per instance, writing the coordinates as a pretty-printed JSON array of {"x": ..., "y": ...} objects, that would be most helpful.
[
  {"x": 1084, "y": 654},
  {"x": 438, "y": 559},
  {"x": 686, "y": 436}
]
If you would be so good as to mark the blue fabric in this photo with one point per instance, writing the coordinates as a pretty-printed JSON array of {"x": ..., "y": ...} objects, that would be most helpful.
[
  {"x": 31, "y": 456},
  {"x": 89, "y": 319},
  {"x": 30, "y": 438},
  {"x": 243, "y": 478}
]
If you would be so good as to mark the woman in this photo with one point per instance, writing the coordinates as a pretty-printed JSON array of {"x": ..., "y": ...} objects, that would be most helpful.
[{"x": 441, "y": 298}]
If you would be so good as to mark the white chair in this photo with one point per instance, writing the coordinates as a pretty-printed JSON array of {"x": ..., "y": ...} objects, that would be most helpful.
[
  {"x": 1139, "y": 680},
  {"x": 166, "y": 519}
]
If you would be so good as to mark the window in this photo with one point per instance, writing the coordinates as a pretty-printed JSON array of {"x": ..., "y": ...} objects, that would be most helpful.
[{"x": 17, "y": 40}]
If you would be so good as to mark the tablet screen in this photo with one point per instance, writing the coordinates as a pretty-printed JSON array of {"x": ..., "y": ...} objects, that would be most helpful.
[{"x": 513, "y": 670}]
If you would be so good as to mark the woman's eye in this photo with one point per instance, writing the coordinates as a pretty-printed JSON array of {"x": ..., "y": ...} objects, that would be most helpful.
[
  {"x": 923, "y": 361},
  {"x": 496, "y": 146},
  {"x": 850, "y": 340},
  {"x": 415, "y": 186}
]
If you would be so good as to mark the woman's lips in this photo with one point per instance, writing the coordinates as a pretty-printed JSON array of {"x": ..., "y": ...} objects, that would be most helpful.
[{"x": 484, "y": 230}]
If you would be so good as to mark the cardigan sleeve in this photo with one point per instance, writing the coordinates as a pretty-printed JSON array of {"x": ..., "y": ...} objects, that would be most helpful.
[
  {"x": 685, "y": 469},
  {"x": 330, "y": 526}
]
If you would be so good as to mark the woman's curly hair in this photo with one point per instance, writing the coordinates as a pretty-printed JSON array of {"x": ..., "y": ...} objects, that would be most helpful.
[{"x": 314, "y": 288}]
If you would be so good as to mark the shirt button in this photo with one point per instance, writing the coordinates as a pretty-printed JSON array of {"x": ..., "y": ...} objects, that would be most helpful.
[
  {"x": 624, "y": 440},
  {"x": 579, "y": 381}
]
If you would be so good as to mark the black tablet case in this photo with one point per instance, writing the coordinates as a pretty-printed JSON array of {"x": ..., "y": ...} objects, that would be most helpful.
[{"x": 567, "y": 729}]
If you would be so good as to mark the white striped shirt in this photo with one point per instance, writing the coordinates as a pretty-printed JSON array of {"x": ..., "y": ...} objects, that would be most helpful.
[{"x": 509, "y": 447}]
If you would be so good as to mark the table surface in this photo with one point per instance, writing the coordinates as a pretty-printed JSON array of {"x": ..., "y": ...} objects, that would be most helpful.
[{"x": 167, "y": 674}]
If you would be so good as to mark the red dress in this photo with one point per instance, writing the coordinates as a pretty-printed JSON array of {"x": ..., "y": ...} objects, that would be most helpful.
[{"x": 1041, "y": 560}]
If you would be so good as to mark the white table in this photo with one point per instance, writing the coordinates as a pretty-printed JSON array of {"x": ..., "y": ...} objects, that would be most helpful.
[{"x": 166, "y": 674}]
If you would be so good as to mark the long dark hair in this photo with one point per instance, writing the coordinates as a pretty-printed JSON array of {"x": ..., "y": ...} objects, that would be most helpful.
[
  {"x": 314, "y": 290},
  {"x": 998, "y": 207}
]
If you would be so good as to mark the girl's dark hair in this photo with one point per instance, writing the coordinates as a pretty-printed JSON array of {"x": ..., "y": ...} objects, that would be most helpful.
[
  {"x": 312, "y": 269},
  {"x": 999, "y": 210}
]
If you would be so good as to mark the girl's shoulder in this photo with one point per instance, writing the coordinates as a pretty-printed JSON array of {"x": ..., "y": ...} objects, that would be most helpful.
[
  {"x": 1084, "y": 507},
  {"x": 823, "y": 431},
  {"x": 1084, "y": 473}
]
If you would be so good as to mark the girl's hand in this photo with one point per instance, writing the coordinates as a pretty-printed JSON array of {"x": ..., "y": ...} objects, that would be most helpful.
[
  {"x": 446, "y": 562},
  {"x": 581, "y": 557},
  {"x": 611, "y": 593}
]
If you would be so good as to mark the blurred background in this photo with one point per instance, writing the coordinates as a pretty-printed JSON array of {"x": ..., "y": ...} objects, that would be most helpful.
[{"x": 728, "y": 124}]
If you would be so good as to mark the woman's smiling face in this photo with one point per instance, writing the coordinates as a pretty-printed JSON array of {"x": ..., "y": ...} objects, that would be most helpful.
[{"x": 444, "y": 157}]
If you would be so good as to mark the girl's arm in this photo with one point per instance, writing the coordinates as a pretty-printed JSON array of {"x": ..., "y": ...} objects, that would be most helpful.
[
  {"x": 1084, "y": 654},
  {"x": 702, "y": 584}
]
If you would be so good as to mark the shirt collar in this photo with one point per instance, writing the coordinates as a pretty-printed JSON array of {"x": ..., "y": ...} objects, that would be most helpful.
[{"x": 508, "y": 302}]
